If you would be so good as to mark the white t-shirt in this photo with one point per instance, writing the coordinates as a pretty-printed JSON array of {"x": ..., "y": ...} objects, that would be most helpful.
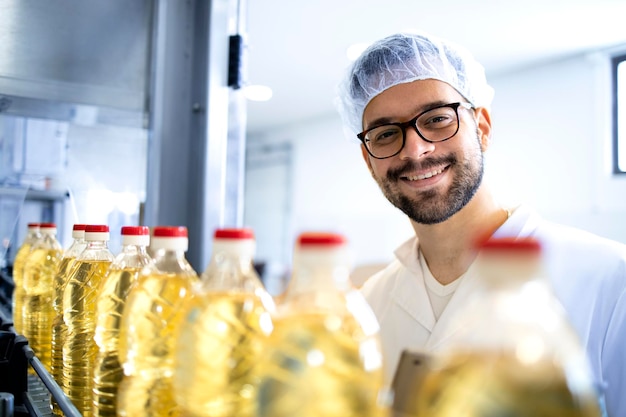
[{"x": 438, "y": 293}]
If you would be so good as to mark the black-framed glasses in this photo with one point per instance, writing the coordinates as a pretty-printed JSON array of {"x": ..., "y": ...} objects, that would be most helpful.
[{"x": 434, "y": 125}]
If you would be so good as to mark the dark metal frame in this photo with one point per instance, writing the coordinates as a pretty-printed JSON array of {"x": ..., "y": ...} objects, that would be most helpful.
[
  {"x": 413, "y": 123},
  {"x": 615, "y": 62}
]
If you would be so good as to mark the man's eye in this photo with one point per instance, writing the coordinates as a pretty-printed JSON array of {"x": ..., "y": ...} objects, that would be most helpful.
[
  {"x": 437, "y": 119},
  {"x": 386, "y": 135}
]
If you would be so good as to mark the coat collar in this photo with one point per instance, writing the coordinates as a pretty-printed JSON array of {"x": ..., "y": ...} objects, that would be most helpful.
[{"x": 410, "y": 290}]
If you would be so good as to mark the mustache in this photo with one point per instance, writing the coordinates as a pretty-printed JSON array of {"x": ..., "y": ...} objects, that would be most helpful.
[{"x": 411, "y": 166}]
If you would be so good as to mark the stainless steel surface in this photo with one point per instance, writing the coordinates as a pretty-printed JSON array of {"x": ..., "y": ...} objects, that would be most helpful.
[{"x": 93, "y": 53}]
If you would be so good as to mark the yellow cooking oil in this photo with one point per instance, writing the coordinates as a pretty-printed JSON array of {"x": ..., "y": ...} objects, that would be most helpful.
[
  {"x": 108, "y": 370},
  {"x": 153, "y": 313},
  {"x": 114, "y": 291},
  {"x": 482, "y": 384},
  {"x": 79, "y": 315},
  {"x": 18, "y": 275},
  {"x": 40, "y": 269},
  {"x": 219, "y": 344},
  {"x": 315, "y": 364},
  {"x": 58, "y": 326}
]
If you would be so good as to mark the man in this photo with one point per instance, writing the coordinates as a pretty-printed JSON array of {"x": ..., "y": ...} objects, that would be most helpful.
[{"x": 421, "y": 107}]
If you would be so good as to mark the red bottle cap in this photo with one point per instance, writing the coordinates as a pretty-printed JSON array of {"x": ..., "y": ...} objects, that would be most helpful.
[
  {"x": 321, "y": 239},
  {"x": 234, "y": 233},
  {"x": 47, "y": 225},
  {"x": 33, "y": 225},
  {"x": 79, "y": 227},
  {"x": 170, "y": 231},
  {"x": 96, "y": 228},
  {"x": 135, "y": 230}
]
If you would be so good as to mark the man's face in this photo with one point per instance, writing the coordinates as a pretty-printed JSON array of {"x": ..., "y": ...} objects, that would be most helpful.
[{"x": 429, "y": 182}]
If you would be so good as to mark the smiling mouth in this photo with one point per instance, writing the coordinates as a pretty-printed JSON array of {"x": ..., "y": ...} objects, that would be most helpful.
[{"x": 425, "y": 175}]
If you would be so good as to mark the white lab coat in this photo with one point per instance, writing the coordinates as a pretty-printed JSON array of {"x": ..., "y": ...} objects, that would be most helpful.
[{"x": 587, "y": 273}]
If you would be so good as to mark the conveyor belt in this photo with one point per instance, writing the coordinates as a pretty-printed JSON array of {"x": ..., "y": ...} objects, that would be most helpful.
[{"x": 31, "y": 391}]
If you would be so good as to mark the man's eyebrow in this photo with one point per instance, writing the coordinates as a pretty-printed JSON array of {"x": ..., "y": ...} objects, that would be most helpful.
[{"x": 420, "y": 109}]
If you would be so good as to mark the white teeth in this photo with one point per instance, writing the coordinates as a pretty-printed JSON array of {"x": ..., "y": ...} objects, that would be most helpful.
[{"x": 426, "y": 175}]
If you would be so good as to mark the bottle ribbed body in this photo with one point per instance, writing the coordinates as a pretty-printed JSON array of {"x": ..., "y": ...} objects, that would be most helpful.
[
  {"x": 18, "y": 276},
  {"x": 153, "y": 310},
  {"x": 222, "y": 335},
  {"x": 150, "y": 321},
  {"x": 317, "y": 365},
  {"x": 40, "y": 269},
  {"x": 58, "y": 332},
  {"x": 58, "y": 326},
  {"x": 79, "y": 315},
  {"x": 219, "y": 344},
  {"x": 114, "y": 291},
  {"x": 323, "y": 356}
]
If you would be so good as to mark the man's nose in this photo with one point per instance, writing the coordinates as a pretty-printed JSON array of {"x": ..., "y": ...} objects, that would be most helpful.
[{"x": 414, "y": 145}]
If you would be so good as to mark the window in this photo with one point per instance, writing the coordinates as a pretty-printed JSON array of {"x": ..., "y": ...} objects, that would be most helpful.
[{"x": 619, "y": 114}]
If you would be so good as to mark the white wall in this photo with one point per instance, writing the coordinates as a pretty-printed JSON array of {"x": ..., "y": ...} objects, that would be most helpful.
[
  {"x": 551, "y": 148},
  {"x": 552, "y": 144}
]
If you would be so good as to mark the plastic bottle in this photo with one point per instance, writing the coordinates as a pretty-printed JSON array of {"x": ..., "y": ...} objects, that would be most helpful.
[
  {"x": 151, "y": 317},
  {"x": 58, "y": 326},
  {"x": 40, "y": 269},
  {"x": 18, "y": 275},
  {"x": 323, "y": 357},
  {"x": 221, "y": 337},
  {"x": 512, "y": 351},
  {"x": 79, "y": 315},
  {"x": 114, "y": 290}
]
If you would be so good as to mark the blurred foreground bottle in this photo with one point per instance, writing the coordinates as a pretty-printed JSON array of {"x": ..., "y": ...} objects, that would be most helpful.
[
  {"x": 18, "y": 275},
  {"x": 323, "y": 357},
  {"x": 58, "y": 326},
  {"x": 151, "y": 318},
  {"x": 114, "y": 290},
  {"x": 79, "y": 314},
  {"x": 221, "y": 338},
  {"x": 40, "y": 269},
  {"x": 513, "y": 352}
]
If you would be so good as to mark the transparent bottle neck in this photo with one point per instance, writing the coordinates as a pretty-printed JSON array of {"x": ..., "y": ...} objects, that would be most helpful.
[
  {"x": 134, "y": 249},
  {"x": 48, "y": 240},
  {"x": 319, "y": 271},
  {"x": 76, "y": 247},
  {"x": 230, "y": 270},
  {"x": 97, "y": 244},
  {"x": 33, "y": 234},
  {"x": 509, "y": 271},
  {"x": 171, "y": 261},
  {"x": 168, "y": 253},
  {"x": 132, "y": 256},
  {"x": 96, "y": 250}
]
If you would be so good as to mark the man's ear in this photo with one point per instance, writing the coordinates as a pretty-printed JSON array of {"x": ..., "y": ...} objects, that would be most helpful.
[{"x": 483, "y": 123}]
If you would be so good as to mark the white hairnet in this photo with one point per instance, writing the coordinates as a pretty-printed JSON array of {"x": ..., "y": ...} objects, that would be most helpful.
[{"x": 404, "y": 58}]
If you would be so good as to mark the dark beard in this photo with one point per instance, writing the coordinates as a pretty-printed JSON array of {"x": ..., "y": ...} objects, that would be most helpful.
[{"x": 431, "y": 207}]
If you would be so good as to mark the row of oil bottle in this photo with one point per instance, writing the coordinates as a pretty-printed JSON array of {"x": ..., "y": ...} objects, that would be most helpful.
[{"x": 141, "y": 334}]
